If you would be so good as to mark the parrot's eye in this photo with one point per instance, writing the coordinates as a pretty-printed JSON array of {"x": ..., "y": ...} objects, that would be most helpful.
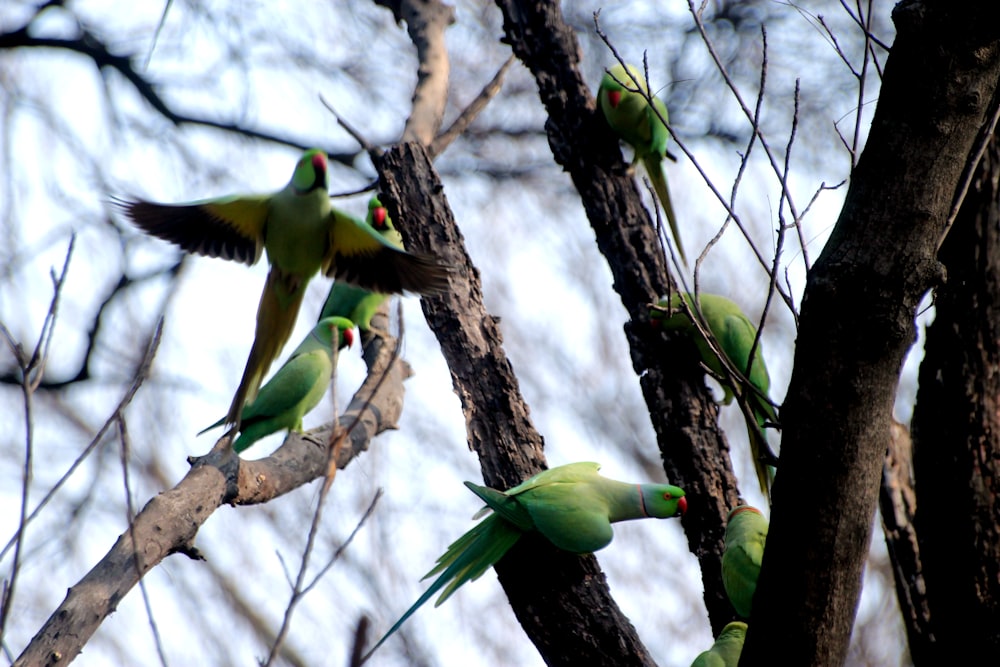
[{"x": 667, "y": 496}]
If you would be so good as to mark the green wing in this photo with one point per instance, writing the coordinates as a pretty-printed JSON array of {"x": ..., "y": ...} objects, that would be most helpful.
[{"x": 361, "y": 256}]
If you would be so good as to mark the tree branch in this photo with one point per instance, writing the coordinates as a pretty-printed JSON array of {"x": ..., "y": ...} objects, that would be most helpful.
[
  {"x": 694, "y": 449},
  {"x": 169, "y": 522},
  {"x": 561, "y": 600}
]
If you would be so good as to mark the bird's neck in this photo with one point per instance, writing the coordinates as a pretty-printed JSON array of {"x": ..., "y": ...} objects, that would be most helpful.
[{"x": 625, "y": 501}]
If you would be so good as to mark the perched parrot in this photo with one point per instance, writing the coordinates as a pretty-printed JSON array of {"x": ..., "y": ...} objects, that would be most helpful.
[
  {"x": 746, "y": 532},
  {"x": 356, "y": 303},
  {"x": 302, "y": 234},
  {"x": 296, "y": 388},
  {"x": 726, "y": 650},
  {"x": 571, "y": 505},
  {"x": 734, "y": 334},
  {"x": 630, "y": 116}
]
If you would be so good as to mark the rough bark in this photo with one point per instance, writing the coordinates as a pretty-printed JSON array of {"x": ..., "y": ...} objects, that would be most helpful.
[
  {"x": 694, "y": 449},
  {"x": 857, "y": 323},
  {"x": 169, "y": 523},
  {"x": 956, "y": 429},
  {"x": 561, "y": 600},
  {"x": 898, "y": 502}
]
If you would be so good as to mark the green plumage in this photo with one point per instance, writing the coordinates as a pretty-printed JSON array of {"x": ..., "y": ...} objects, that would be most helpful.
[
  {"x": 571, "y": 505},
  {"x": 726, "y": 650},
  {"x": 734, "y": 334},
  {"x": 296, "y": 388},
  {"x": 357, "y": 303},
  {"x": 629, "y": 114},
  {"x": 303, "y": 235},
  {"x": 746, "y": 534}
]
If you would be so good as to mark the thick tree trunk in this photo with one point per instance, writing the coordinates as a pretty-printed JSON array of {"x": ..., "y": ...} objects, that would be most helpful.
[
  {"x": 956, "y": 431},
  {"x": 561, "y": 600},
  {"x": 857, "y": 323},
  {"x": 694, "y": 450}
]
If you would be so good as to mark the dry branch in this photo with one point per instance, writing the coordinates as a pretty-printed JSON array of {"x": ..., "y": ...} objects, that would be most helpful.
[
  {"x": 694, "y": 450},
  {"x": 561, "y": 600},
  {"x": 170, "y": 522}
]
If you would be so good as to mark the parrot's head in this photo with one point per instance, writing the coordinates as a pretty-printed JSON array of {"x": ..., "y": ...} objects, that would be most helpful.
[
  {"x": 326, "y": 327},
  {"x": 617, "y": 81},
  {"x": 378, "y": 216},
  {"x": 667, "y": 313},
  {"x": 311, "y": 172},
  {"x": 662, "y": 501}
]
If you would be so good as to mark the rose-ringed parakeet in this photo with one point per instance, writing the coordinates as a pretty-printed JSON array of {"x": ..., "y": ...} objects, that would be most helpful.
[
  {"x": 734, "y": 334},
  {"x": 628, "y": 113},
  {"x": 571, "y": 505},
  {"x": 726, "y": 650},
  {"x": 302, "y": 234},
  {"x": 356, "y": 303},
  {"x": 297, "y": 387},
  {"x": 746, "y": 533}
]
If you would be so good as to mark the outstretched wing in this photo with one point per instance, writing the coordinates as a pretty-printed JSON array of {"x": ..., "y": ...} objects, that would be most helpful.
[
  {"x": 361, "y": 256},
  {"x": 230, "y": 228}
]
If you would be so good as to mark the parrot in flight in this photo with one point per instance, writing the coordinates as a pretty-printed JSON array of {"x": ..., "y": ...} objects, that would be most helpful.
[
  {"x": 628, "y": 113},
  {"x": 296, "y": 388},
  {"x": 734, "y": 334},
  {"x": 571, "y": 505},
  {"x": 746, "y": 533},
  {"x": 726, "y": 650},
  {"x": 356, "y": 303},
  {"x": 303, "y": 235}
]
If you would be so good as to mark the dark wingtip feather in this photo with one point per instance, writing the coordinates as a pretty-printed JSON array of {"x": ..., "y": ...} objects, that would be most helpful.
[
  {"x": 394, "y": 271},
  {"x": 190, "y": 227}
]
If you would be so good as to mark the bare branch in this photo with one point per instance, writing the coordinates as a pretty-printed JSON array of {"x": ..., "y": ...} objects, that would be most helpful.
[
  {"x": 489, "y": 91},
  {"x": 426, "y": 22},
  {"x": 170, "y": 521}
]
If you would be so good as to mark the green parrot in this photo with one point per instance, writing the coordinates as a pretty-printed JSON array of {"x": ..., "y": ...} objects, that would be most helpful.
[
  {"x": 302, "y": 234},
  {"x": 630, "y": 116},
  {"x": 726, "y": 650},
  {"x": 746, "y": 533},
  {"x": 296, "y": 388},
  {"x": 356, "y": 303},
  {"x": 734, "y": 334},
  {"x": 571, "y": 505}
]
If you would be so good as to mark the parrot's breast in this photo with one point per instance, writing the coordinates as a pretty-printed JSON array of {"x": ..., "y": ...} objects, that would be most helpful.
[{"x": 297, "y": 231}]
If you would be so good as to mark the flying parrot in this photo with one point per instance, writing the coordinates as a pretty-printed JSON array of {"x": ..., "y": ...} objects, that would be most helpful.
[
  {"x": 571, "y": 505},
  {"x": 356, "y": 303},
  {"x": 302, "y": 234},
  {"x": 726, "y": 650},
  {"x": 296, "y": 388},
  {"x": 628, "y": 113},
  {"x": 746, "y": 533},
  {"x": 734, "y": 334}
]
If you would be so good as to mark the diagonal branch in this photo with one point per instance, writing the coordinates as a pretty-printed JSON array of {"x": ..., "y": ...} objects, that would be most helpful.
[
  {"x": 682, "y": 412},
  {"x": 561, "y": 600},
  {"x": 170, "y": 522}
]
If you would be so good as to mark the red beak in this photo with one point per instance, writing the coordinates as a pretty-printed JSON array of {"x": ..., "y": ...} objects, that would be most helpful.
[
  {"x": 682, "y": 504},
  {"x": 615, "y": 96}
]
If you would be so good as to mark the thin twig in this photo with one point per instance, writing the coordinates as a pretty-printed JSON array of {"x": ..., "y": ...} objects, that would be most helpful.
[
  {"x": 140, "y": 376},
  {"x": 32, "y": 369},
  {"x": 130, "y": 517},
  {"x": 469, "y": 114},
  {"x": 337, "y": 438}
]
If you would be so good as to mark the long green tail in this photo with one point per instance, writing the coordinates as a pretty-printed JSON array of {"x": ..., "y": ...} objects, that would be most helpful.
[
  {"x": 654, "y": 169},
  {"x": 466, "y": 559}
]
